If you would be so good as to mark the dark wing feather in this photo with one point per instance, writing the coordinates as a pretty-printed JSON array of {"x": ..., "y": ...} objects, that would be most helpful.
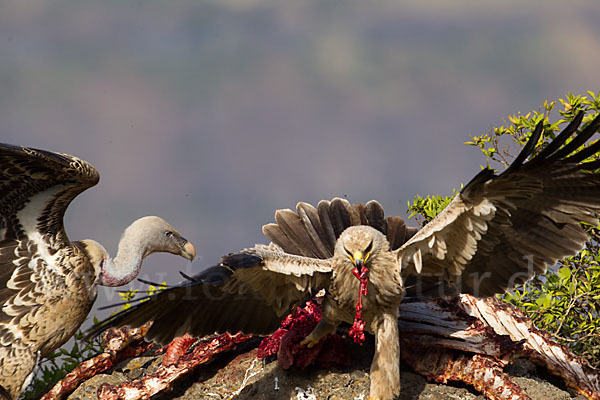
[
  {"x": 312, "y": 232},
  {"x": 375, "y": 216},
  {"x": 501, "y": 229},
  {"x": 325, "y": 223},
  {"x": 52, "y": 179},
  {"x": 340, "y": 215},
  {"x": 249, "y": 291},
  {"x": 199, "y": 309}
]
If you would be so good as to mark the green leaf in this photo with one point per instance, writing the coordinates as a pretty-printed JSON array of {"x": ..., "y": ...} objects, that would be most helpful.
[{"x": 564, "y": 274}]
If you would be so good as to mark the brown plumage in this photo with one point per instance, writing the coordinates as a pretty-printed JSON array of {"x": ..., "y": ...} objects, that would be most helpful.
[
  {"x": 497, "y": 232},
  {"x": 47, "y": 283}
]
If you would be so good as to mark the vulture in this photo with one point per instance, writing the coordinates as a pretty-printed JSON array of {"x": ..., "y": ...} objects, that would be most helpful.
[
  {"x": 499, "y": 231},
  {"x": 48, "y": 284}
]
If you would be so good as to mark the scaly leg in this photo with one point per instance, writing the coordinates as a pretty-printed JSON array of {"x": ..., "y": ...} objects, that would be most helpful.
[{"x": 385, "y": 368}]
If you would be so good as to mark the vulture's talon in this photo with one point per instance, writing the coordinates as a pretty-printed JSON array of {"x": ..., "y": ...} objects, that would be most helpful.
[{"x": 309, "y": 342}]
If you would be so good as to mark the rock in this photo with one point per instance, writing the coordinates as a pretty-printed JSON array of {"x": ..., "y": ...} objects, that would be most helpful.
[
  {"x": 239, "y": 375},
  {"x": 89, "y": 389}
]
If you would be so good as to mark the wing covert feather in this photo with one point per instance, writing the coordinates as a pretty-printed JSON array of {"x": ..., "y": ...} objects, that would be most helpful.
[{"x": 282, "y": 279}]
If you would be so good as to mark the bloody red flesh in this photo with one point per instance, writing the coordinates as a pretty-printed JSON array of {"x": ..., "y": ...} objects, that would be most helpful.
[{"x": 357, "y": 331}]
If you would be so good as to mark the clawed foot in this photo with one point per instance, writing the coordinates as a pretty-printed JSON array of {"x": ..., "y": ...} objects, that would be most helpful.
[{"x": 309, "y": 342}]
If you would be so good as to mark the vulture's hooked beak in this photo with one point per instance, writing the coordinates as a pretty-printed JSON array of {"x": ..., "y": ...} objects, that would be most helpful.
[
  {"x": 188, "y": 251},
  {"x": 358, "y": 259}
]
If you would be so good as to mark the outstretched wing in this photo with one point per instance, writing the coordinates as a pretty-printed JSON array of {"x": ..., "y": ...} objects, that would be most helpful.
[
  {"x": 36, "y": 187},
  {"x": 501, "y": 229},
  {"x": 251, "y": 290},
  {"x": 248, "y": 291}
]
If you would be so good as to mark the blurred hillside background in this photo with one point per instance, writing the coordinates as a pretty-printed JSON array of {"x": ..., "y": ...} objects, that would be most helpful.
[{"x": 213, "y": 114}]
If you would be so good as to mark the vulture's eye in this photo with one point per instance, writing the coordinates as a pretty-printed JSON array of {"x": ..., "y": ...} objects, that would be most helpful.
[
  {"x": 369, "y": 248},
  {"x": 168, "y": 234}
]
